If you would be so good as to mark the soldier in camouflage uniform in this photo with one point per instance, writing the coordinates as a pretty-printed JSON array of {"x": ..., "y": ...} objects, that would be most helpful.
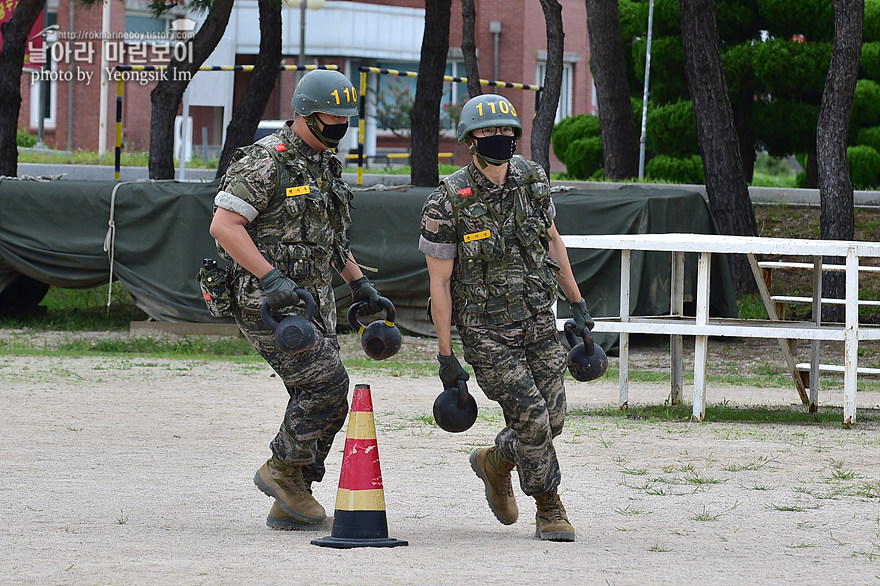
[
  {"x": 497, "y": 264},
  {"x": 281, "y": 216}
]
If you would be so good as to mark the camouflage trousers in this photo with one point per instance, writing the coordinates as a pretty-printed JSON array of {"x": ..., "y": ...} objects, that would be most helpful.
[
  {"x": 317, "y": 384},
  {"x": 521, "y": 366}
]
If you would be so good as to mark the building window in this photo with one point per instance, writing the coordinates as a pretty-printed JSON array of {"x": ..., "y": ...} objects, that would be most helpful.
[
  {"x": 145, "y": 24},
  {"x": 44, "y": 95},
  {"x": 455, "y": 94},
  {"x": 565, "y": 92}
]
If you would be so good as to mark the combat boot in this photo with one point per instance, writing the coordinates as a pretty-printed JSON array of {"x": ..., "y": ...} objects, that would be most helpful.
[
  {"x": 550, "y": 520},
  {"x": 286, "y": 484},
  {"x": 278, "y": 519},
  {"x": 495, "y": 474}
]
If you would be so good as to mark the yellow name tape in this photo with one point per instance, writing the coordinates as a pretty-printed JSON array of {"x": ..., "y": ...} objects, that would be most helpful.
[
  {"x": 301, "y": 190},
  {"x": 477, "y": 236}
]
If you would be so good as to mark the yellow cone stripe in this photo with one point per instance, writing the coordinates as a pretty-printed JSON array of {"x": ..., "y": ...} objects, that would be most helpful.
[
  {"x": 360, "y": 500},
  {"x": 361, "y": 425}
]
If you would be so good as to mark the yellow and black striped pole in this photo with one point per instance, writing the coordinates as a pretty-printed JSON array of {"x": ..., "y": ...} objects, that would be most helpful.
[
  {"x": 359, "y": 520},
  {"x": 362, "y": 125},
  {"x": 117, "y": 164}
]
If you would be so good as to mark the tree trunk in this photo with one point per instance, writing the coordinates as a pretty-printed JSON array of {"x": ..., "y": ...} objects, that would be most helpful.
[
  {"x": 166, "y": 96},
  {"x": 15, "y": 35},
  {"x": 545, "y": 116},
  {"x": 259, "y": 87},
  {"x": 837, "y": 220},
  {"x": 620, "y": 141},
  {"x": 742, "y": 111},
  {"x": 469, "y": 48},
  {"x": 811, "y": 179},
  {"x": 727, "y": 190},
  {"x": 425, "y": 116}
]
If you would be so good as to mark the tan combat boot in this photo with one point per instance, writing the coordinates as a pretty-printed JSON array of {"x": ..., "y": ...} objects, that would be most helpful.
[
  {"x": 495, "y": 474},
  {"x": 551, "y": 520},
  {"x": 286, "y": 484},
  {"x": 278, "y": 519}
]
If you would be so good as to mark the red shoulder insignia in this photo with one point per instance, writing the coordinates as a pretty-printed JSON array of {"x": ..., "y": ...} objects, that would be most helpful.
[
  {"x": 465, "y": 191},
  {"x": 280, "y": 148}
]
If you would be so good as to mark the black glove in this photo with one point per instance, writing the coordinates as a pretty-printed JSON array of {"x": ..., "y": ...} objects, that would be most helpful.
[
  {"x": 279, "y": 289},
  {"x": 581, "y": 317},
  {"x": 451, "y": 370},
  {"x": 363, "y": 290}
]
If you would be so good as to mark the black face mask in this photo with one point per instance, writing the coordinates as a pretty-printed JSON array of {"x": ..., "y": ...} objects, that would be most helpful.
[
  {"x": 496, "y": 149},
  {"x": 330, "y": 134}
]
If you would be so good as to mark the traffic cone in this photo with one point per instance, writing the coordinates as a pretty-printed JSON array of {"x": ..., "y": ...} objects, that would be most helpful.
[{"x": 359, "y": 520}]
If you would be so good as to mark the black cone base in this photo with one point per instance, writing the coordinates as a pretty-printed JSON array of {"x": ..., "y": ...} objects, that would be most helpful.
[
  {"x": 359, "y": 529},
  {"x": 350, "y": 542}
]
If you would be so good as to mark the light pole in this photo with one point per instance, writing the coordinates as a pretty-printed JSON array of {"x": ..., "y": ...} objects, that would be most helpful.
[{"x": 302, "y": 5}]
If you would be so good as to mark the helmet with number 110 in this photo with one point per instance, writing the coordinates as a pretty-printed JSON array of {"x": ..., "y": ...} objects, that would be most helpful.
[
  {"x": 325, "y": 91},
  {"x": 485, "y": 111}
]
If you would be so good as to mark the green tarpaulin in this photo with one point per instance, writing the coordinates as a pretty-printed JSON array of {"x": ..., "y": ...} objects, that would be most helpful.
[{"x": 62, "y": 233}]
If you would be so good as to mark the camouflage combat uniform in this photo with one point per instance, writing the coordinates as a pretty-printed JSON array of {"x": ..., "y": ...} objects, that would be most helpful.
[
  {"x": 503, "y": 286},
  {"x": 298, "y": 219}
]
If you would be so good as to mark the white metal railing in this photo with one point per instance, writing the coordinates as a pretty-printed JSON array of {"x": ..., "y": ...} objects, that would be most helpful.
[{"x": 701, "y": 326}]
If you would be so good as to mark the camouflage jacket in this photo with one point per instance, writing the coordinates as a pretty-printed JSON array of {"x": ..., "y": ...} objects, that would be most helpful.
[
  {"x": 298, "y": 209},
  {"x": 503, "y": 272}
]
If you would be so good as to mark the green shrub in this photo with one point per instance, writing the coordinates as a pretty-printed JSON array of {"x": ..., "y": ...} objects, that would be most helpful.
[
  {"x": 870, "y": 62},
  {"x": 788, "y": 70},
  {"x": 737, "y": 20},
  {"x": 869, "y": 137},
  {"x": 571, "y": 129},
  {"x": 23, "y": 139},
  {"x": 668, "y": 82},
  {"x": 864, "y": 166},
  {"x": 811, "y": 18},
  {"x": 785, "y": 127},
  {"x": 672, "y": 130},
  {"x": 633, "y": 20},
  {"x": 584, "y": 157},
  {"x": 871, "y": 27},
  {"x": 737, "y": 64},
  {"x": 866, "y": 105},
  {"x": 675, "y": 170},
  {"x": 667, "y": 21}
]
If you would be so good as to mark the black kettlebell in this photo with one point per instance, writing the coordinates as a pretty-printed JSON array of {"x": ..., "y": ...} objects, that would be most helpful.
[
  {"x": 295, "y": 333},
  {"x": 455, "y": 409},
  {"x": 586, "y": 361},
  {"x": 380, "y": 339}
]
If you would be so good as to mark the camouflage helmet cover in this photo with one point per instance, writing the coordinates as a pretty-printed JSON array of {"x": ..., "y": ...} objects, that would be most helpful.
[
  {"x": 486, "y": 111},
  {"x": 326, "y": 91}
]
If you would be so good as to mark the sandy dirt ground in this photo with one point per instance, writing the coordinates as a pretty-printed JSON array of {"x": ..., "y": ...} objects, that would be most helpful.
[{"x": 139, "y": 471}]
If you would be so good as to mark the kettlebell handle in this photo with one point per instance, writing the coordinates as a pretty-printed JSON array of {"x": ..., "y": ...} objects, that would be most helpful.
[
  {"x": 587, "y": 337},
  {"x": 463, "y": 394},
  {"x": 308, "y": 314},
  {"x": 384, "y": 303}
]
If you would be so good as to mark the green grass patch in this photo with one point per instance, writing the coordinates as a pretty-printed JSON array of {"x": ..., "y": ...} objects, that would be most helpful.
[
  {"x": 796, "y": 415},
  {"x": 80, "y": 157}
]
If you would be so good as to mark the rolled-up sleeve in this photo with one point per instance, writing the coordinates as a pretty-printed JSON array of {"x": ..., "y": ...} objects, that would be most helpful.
[
  {"x": 249, "y": 182},
  {"x": 438, "y": 236}
]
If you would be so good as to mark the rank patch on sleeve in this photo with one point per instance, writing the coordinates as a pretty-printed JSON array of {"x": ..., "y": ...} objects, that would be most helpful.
[
  {"x": 465, "y": 191},
  {"x": 477, "y": 236},
  {"x": 299, "y": 190},
  {"x": 280, "y": 148}
]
